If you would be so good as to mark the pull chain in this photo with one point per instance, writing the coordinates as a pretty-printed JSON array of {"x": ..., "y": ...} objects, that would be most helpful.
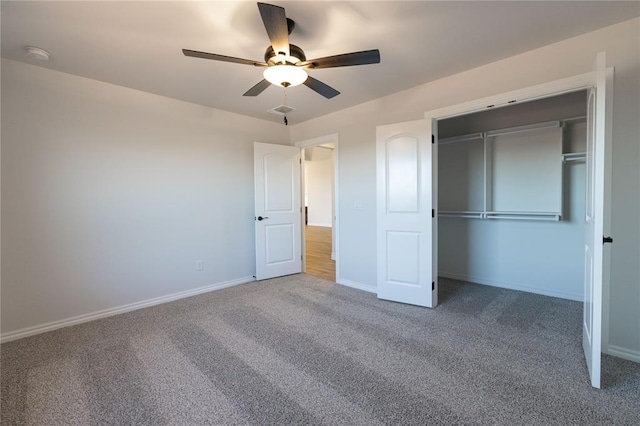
[{"x": 286, "y": 122}]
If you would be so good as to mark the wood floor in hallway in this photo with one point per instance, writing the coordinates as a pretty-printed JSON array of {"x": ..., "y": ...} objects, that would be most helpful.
[{"x": 319, "y": 263}]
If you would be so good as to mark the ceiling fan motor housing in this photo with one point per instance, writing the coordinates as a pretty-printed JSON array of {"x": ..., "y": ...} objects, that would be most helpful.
[{"x": 271, "y": 58}]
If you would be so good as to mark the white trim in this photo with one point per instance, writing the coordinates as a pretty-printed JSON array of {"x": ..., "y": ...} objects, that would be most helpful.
[
  {"x": 624, "y": 353},
  {"x": 606, "y": 278},
  {"x": 320, "y": 225},
  {"x": 475, "y": 280},
  {"x": 303, "y": 209},
  {"x": 519, "y": 129},
  {"x": 557, "y": 87},
  {"x": 54, "y": 325},
  {"x": 357, "y": 285},
  {"x": 335, "y": 249},
  {"x": 321, "y": 140}
]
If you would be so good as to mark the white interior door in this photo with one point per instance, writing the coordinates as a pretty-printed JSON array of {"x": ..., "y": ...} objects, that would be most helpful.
[
  {"x": 595, "y": 267},
  {"x": 406, "y": 270},
  {"x": 277, "y": 210}
]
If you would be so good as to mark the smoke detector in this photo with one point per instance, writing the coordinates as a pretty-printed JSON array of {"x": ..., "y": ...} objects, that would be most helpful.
[
  {"x": 281, "y": 110},
  {"x": 37, "y": 53}
]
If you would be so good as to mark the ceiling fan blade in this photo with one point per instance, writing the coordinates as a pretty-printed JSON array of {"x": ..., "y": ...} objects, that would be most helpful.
[
  {"x": 275, "y": 22},
  {"x": 215, "y": 57},
  {"x": 257, "y": 89},
  {"x": 345, "y": 60},
  {"x": 323, "y": 89}
]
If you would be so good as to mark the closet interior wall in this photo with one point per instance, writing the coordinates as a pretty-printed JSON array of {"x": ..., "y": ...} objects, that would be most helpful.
[{"x": 540, "y": 254}]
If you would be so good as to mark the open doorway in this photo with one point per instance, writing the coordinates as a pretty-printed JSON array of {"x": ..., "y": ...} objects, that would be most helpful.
[
  {"x": 320, "y": 220},
  {"x": 319, "y": 212},
  {"x": 522, "y": 170}
]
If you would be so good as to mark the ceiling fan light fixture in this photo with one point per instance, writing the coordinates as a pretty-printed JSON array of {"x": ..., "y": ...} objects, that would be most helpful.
[{"x": 285, "y": 75}]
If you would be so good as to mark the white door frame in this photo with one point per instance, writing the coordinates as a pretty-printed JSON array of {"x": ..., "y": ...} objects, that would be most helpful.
[
  {"x": 307, "y": 143},
  {"x": 539, "y": 91}
]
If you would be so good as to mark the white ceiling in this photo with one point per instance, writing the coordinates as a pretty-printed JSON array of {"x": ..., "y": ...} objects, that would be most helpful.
[{"x": 138, "y": 44}]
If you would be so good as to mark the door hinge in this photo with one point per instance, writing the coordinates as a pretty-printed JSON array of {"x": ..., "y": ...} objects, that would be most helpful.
[
  {"x": 607, "y": 240},
  {"x": 433, "y": 285},
  {"x": 433, "y": 138},
  {"x": 433, "y": 213}
]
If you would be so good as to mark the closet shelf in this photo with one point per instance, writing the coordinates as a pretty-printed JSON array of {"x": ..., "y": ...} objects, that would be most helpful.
[
  {"x": 553, "y": 216},
  {"x": 494, "y": 171},
  {"x": 463, "y": 214},
  {"x": 527, "y": 128},
  {"x": 462, "y": 138},
  {"x": 574, "y": 157},
  {"x": 517, "y": 129}
]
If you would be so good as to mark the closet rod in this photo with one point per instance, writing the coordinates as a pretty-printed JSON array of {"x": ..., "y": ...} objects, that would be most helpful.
[
  {"x": 511, "y": 130},
  {"x": 536, "y": 126},
  {"x": 463, "y": 138},
  {"x": 574, "y": 157},
  {"x": 464, "y": 214},
  {"x": 524, "y": 215}
]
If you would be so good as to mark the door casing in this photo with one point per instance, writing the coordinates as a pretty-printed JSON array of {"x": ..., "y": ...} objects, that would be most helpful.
[{"x": 307, "y": 143}]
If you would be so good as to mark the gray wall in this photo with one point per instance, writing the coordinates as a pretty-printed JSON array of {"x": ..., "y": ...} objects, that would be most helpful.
[
  {"x": 356, "y": 128},
  {"x": 110, "y": 195}
]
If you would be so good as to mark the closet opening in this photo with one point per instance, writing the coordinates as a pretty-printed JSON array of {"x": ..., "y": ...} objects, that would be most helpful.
[{"x": 512, "y": 196}]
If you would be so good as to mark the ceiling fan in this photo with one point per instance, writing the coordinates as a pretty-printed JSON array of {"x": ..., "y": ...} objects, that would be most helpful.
[{"x": 285, "y": 63}]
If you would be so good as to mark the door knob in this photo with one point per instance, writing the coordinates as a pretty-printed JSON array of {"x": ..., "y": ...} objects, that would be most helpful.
[{"x": 262, "y": 218}]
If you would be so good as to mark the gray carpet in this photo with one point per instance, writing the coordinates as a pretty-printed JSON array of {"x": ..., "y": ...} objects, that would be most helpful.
[{"x": 302, "y": 350}]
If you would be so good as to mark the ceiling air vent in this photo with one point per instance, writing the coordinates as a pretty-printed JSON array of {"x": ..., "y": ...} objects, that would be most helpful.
[{"x": 281, "y": 110}]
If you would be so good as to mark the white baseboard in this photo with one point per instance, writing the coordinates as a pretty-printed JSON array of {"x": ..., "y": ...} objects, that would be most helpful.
[
  {"x": 630, "y": 354},
  {"x": 54, "y": 325},
  {"x": 322, "y": 225},
  {"x": 356, "y": 285},
  {"x": 575, "y": 297}
]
